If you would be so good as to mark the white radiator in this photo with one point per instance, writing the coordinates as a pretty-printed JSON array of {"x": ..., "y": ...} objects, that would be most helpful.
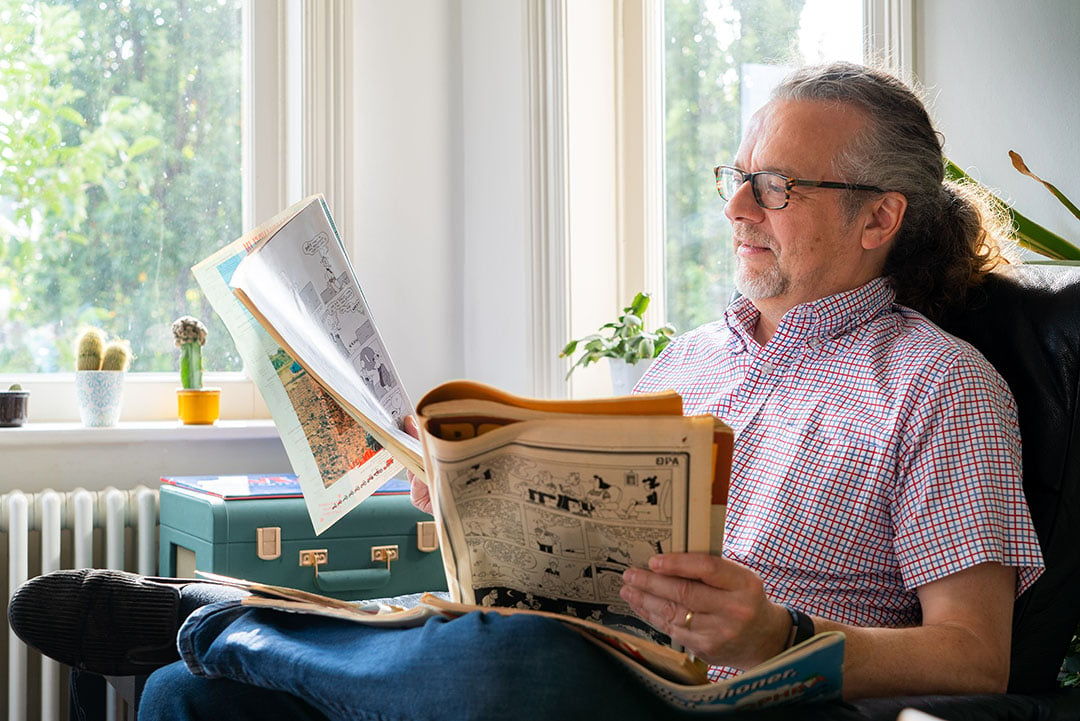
[{"x": 47, "y": 531}]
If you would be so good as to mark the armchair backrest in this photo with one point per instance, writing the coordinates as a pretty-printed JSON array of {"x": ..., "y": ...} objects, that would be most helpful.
[{"x": 1026, "y": 321}]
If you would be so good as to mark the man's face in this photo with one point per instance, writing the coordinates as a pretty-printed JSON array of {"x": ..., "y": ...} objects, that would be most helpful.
[{"x": 807, "y": 250}]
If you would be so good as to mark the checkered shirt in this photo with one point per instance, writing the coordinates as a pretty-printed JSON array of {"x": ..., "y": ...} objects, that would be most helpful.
[{"x": 874, "y": 453}]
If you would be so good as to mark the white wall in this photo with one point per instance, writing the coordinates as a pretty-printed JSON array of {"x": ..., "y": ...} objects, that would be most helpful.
[
  {"x": 494, "y": 159},
  {"x": 1005, "y": 75},
  {"x": 441, "y": 240},
  {"x": 407, "y": 231}
]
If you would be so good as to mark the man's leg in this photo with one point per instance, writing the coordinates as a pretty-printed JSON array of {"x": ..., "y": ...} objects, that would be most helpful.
[
  {"x": 172, "y": 693},
  {"x": 479, "y": 666}
]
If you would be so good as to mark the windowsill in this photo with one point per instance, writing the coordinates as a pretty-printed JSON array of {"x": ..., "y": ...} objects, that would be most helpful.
[
  {"x": 65, "y": 455},
  {"x": 32, "y": 434}
]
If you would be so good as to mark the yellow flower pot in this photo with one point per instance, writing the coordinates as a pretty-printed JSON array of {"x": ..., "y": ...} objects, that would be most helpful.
[{"x": 198, "y": 406}]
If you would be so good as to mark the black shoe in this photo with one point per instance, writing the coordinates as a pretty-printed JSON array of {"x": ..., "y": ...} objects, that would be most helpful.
[{"x": 107, "y": 622}]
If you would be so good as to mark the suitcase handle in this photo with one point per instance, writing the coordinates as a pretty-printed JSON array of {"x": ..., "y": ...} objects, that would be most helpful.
[{"x": 343, "y": 581}]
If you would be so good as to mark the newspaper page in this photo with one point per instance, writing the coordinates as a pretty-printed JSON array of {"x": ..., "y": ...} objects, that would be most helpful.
[
  {"x": 547, "y": 515},
  {"x": 337, "y": 461}
]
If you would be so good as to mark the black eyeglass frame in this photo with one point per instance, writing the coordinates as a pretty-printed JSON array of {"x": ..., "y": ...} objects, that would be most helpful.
[{"x": 789, "y": 183}]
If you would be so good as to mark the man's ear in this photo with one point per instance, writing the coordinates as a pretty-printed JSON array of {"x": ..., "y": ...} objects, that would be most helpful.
[{"x": 882, "y": 220}]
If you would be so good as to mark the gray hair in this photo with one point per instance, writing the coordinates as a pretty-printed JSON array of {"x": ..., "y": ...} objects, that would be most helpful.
[{"x": 949, "y": 236}]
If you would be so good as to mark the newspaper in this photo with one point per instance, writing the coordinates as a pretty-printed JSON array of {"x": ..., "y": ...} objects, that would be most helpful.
[
  {"x": 297, "y": 266},
  {"x": 546, "y": 510}
]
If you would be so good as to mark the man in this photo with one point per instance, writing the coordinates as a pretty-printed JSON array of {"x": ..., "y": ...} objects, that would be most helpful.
[
  {"x": 842, "y": 400},
  {"x": 875, "y": 483}
]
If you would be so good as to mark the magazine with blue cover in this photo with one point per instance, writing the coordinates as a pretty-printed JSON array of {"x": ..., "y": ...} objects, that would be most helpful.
[{"x": 261, "y": 485}]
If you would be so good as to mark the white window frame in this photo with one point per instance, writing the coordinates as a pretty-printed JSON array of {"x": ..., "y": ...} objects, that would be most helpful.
[
  {"x": 297, "y": 112},
  {"x": 638, "y": 74}
]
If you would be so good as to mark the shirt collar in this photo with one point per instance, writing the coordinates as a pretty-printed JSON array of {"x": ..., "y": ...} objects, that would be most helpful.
[{"x": 828, "y": 317}]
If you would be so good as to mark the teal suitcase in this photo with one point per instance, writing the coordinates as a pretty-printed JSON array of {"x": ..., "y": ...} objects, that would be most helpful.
[{"x": 257, "y": 528}]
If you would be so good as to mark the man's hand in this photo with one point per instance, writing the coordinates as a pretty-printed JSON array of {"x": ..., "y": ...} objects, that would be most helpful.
[
  {"x": 712, "y": 606},
  {"x": 962, "y": 645},
  {"x": 418, "y": 490}
]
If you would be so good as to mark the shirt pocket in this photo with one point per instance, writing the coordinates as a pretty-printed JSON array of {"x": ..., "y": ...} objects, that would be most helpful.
[{"x": 816, "y": 495}]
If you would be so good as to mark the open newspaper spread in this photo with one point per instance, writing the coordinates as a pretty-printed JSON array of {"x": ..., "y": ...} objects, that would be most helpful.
[{"x": 296, "y": 266}]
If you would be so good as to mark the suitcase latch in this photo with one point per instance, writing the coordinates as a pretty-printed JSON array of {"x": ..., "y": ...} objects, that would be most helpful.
[
  {"x": 314, "y": 557},
  {"x": 268, "y": 543},
  {"x": 427, "y": 539},
  {"x": 384, "y": 553}
]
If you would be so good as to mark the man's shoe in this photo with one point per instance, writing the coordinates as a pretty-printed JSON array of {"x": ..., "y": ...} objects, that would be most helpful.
[{"x": 103, "y": 621}]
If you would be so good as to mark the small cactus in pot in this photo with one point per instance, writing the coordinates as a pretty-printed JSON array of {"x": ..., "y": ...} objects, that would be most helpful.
[
  {"x": 100, "y": 367},
  {"x": 190, "y": 336},
  {"x": 196, "y": 405}
]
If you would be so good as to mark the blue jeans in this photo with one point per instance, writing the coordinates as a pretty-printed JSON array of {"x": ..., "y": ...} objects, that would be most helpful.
[{"x": 241, "y": 664}]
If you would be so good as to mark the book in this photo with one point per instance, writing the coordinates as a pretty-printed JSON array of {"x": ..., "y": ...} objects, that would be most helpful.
[
  {"x": 811, "y": 671},
  {"x": 539, "y": 505}
]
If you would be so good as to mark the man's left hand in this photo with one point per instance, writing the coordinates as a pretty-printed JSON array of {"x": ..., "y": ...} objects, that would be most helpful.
[{"x": 714, "y": 607}]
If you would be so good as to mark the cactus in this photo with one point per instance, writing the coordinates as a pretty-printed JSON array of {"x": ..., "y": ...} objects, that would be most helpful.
[
  {"x": 190, "y": 336},
  {"x": 92, "y": 353},
  {"x": 117, "y": 356},
  {"x": 89, "y": 348}
]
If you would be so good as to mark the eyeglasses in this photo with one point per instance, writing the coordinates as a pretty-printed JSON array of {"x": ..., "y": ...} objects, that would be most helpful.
[{"x": 772, "y": 191}]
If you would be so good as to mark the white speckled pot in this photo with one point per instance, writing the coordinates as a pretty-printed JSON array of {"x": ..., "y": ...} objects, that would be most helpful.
[{"x": 99, "y": 394}]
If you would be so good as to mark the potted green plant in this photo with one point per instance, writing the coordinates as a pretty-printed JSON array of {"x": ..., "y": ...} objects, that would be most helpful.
[
  {"x": 195, "y": 404},
  {"x": 14, "y": 404},
  {"x": 626, "y": 344},
  {"x": 100, "y": 368}
]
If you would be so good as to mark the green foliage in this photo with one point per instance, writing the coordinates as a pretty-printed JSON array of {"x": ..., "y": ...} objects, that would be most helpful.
[
  {"x": 119, "y": 169},
  {"x": 1070, "y": 669},
  {"x": 625, "y": 338},
  {"x": 703, "y": 76}
]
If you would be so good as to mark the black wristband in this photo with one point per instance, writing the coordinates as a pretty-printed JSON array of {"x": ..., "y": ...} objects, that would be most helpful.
[{"x": 802, "y": 626}]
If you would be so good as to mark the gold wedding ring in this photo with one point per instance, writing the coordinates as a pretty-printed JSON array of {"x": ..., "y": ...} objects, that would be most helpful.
[{"x": 688, "y": 619}]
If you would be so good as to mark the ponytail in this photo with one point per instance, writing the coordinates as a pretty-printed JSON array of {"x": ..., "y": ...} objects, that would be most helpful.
[{"x": 933, "y": 267}]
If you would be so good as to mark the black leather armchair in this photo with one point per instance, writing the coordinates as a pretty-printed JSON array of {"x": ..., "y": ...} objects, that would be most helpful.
[{"x": 1026, "y": 321}]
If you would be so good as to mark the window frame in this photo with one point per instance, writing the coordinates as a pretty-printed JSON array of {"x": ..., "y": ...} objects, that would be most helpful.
[
  {"x": 291, "y": 95},
  {"x": 639, "y": 263}
]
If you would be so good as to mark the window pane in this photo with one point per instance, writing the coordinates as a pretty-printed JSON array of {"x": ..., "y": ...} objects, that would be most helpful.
[
  {"x": 721, "y": 59},
  {"x": 120, "y": 167}
]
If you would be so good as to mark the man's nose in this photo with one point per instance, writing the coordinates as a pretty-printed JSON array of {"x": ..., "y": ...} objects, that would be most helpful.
[{"x": 743, "y": 207}]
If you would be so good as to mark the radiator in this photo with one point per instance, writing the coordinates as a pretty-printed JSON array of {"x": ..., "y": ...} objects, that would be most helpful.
[{"x": 46, "y": 531}]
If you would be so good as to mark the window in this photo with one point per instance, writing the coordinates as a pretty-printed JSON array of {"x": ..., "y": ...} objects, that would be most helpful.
[
  {"x": 120, "y": 167},
  {"x": 721, "y": 59}
]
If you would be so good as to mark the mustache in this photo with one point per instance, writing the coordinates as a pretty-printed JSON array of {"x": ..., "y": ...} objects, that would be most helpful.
[{"x": 751, "y": 235}]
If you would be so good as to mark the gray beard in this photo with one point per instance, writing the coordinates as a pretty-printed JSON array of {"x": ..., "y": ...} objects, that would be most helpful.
[{"x": 757, "y": 286}]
